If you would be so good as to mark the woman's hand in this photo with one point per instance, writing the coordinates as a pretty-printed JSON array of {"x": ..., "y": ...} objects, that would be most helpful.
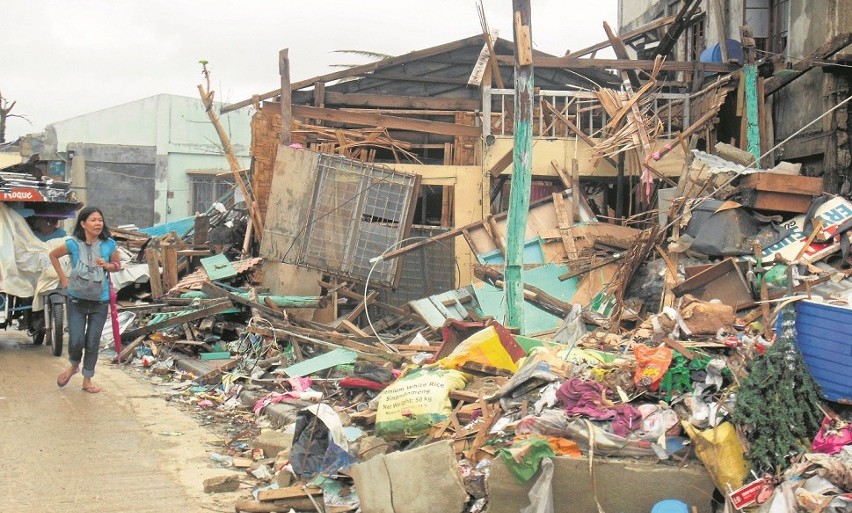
[
  {"x": 63, "y": 282},
  {"x": 100, "y": 262}
]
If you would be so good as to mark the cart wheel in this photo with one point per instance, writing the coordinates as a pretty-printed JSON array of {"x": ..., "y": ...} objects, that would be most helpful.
[{"x": 56, "y": 328}]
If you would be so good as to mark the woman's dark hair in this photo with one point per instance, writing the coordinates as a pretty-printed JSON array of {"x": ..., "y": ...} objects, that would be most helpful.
[{"x": 82, "y": 216}]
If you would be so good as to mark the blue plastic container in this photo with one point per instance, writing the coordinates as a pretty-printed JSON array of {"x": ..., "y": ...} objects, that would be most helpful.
[
  {"x": 824, "y": 336},
  {"x": 714, "y": 53}
]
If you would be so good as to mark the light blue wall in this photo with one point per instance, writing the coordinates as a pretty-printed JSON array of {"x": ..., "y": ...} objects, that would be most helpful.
[{"x": 181, "y": 132}]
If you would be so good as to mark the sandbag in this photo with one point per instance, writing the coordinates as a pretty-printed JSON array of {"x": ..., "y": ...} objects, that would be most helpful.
[
  {"x": 720, "y": 450},
  {"x": 415, "y": 402}
]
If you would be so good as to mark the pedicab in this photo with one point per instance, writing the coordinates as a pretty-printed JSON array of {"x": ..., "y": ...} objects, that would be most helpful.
[{"x": 31, "y": 209}]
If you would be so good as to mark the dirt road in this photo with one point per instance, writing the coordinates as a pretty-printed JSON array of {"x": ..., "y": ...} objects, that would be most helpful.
[{"x": 125, "y": 449}]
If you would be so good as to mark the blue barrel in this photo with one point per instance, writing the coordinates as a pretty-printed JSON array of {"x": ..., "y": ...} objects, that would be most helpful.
[
  {"x": 714, "y": 53},
  {"x": 824, "y": 336}
]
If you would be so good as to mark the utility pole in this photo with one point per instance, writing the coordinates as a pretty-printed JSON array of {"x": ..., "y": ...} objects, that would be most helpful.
[
  {"x": 751, "y": 114},
  {"x": 519, "y": 197}
]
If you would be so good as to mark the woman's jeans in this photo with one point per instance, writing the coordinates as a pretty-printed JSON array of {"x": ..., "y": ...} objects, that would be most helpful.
[{"x": 86, "y": 321}]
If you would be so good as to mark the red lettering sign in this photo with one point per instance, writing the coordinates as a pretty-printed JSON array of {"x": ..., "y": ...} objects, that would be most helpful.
[
  {"x": 21, "y": 194},
  {"x": 750, "y": 494}
]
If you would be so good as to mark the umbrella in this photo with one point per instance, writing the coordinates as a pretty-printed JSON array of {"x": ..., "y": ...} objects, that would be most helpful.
[{"x": 113, "y": 311}]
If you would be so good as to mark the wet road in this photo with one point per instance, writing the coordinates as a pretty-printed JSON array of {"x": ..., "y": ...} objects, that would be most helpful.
[{"x": 125, "y": 449}]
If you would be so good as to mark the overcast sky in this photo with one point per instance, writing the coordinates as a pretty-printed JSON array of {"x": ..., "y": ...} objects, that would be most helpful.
[{"x": 64, "y": 58}]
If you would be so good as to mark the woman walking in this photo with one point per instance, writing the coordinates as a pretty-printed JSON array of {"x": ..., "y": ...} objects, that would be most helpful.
[{"x": 93, "y": 254}]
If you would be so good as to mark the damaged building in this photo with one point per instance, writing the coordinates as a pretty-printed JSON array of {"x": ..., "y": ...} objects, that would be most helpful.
[{"x": 685, "y": 274}]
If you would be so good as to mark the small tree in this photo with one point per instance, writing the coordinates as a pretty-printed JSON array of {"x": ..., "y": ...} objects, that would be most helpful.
[
  {"x": 6, "y": 112},
  {"x": 778, "y": 404}
]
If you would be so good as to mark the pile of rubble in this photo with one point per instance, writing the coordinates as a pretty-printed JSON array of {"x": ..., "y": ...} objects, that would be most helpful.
[{"x": 638, "y": 353}]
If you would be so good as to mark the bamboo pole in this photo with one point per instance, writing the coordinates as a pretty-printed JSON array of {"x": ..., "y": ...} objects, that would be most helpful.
[{"x": 230, "y": 155}]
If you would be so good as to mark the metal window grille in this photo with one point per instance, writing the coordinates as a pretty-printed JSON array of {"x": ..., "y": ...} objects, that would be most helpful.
[
  {"x": 206, "y": 190},
  {"x": 358, "y": 211}
]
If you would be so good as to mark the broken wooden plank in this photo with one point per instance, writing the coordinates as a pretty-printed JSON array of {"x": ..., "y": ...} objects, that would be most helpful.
[
  {"x": 542, "y": 62},
  {"x": 621, "y": 52},
  {"x": 830, "y": 48},
  {"x": 214, "y": 374},
  {"x": 364, "y": 100},
  {"x": 788, "y": 184},
  {"x": 130, "y": 348},
  {"x": 152, "y": 256},
  {"x": 351, "y": 328},
  {"x": 214, "y": 290},
  {"x": 178, "y": 319},
  {"x": 345, "y": 292},
  {"x": 382, "y": 120},
  {"x": 627, "y": 37},
  {"x": 289, "y": 492}
]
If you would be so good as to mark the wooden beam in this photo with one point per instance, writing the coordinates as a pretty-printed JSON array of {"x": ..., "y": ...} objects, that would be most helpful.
[
  {"x": 399, "y": 102},
  {"x": 830, "y": 48},
  {"x": 627, "y": 37},
  {"x": 501, "y": 164},
  {"x": 381, "y": 120},
  {"x": 544, "y": 62},
  {"x": 621, "y": 52},
  {"x": 170, "y": 267},
  {"x": 685, "y": 14},
  {"x": 178, "y": 319},
  {"x": 359, "y": 70},
  {"x": 214, "y": 290},
  {"x": 571, "y": 126},
  {"x": 286, "y": 135},
  {"x": 152, "y": 256}
]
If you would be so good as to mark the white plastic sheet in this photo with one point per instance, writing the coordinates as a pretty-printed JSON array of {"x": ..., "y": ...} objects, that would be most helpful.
[{"x": 25, "y": 269}]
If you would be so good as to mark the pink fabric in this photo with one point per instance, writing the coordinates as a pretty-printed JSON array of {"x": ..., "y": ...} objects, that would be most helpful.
[
  {"x": 586, "y": 398},
  {"x": 297, "y": 386},
  {"x": 832, "y": 440}
]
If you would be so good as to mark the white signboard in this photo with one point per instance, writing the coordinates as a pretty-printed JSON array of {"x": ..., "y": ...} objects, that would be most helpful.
[{"x": 832, "y": 213}]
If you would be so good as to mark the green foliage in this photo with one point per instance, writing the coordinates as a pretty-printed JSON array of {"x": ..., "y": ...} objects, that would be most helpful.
[{"x": 777, "y": 404}]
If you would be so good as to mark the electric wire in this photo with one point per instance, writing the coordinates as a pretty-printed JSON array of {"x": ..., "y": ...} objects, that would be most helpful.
[{"x": 375, "y": 261}]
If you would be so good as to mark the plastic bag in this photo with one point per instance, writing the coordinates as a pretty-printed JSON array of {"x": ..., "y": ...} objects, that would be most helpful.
[
  {"x": 720, "y": 450},
  {"x": 572, "y": 328},
  {"x": 653, "y": 364},
  {"x": 482, "y": 347}
]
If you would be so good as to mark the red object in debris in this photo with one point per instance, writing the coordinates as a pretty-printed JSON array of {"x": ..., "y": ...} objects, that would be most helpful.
[
  {"x": 362, "y": 383},
  {"x": 113, "y": 312},
  {"x": 756, "y": 492},
  {"x": 732, "y": 341}
]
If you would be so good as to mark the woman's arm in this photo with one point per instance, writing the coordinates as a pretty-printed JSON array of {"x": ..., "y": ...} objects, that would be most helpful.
[
  {"x": 55, "y": 255},
  {"x": 114, "y": 262}
]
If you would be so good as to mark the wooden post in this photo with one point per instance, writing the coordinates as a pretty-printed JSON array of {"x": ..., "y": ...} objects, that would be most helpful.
[
  {"x": 519, "y": 198},
  {"x": 286, "y": 98},
  {"x": 619, "y": 188},
  {"x": 230, "y": 155},
  {"x": 723, "y": 29},
  {"x": 751, "y": 104},
  {"x": 152, "y": 256},
  {"x": 170, "y": 268}
]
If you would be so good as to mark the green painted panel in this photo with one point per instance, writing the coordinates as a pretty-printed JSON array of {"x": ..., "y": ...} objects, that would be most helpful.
[{"x": 218, "y": 267}]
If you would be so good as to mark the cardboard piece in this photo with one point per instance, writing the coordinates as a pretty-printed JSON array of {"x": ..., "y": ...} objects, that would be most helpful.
[
  {"x": 724, "y": 281},
  {"x": 622, "y": 485},
  {"x": 422, "y": 480}
]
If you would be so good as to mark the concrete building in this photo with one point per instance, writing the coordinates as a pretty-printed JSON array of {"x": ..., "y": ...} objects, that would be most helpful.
[
  {"x": 146, "y": 162},
  {"x": 785, "y": 33}
]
